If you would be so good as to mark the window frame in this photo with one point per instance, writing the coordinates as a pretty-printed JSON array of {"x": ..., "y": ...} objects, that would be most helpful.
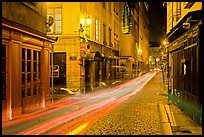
[
  {"x": 32, "y": 87},
  {"x": 97, "y": 30},
  {"x": 54, "y": 27}
]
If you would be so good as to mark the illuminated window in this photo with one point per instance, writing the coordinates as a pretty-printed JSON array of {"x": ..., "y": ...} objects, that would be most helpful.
[
  {"x": 56, "y": 12},
  {"x": 30, "y": 72},
  {"x": 126, "y": 25},
  {"x": 97, "y": 30}
]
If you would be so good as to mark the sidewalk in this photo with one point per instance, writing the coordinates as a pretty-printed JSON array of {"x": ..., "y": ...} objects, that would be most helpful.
[{"x": 180, "y": 123}]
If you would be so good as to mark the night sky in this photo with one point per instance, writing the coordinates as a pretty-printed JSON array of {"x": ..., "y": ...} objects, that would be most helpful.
[{"x": 157, "y": 20}]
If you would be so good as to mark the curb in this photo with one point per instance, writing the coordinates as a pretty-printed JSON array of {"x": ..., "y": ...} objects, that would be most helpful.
[{"x": 166, "y": 126}]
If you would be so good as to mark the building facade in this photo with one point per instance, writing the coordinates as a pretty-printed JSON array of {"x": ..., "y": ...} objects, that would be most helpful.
[
  {"x": 184, "y": 23},
  {"x": 134, "y": 47},
  {"x": 87, "y": 40},
  {"x": 25, "y": 57},
  {"x": 143, "y": 51}
]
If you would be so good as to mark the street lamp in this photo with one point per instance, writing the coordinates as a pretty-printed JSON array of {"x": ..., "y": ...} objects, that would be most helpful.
[
  {"x": 82, "y": 48},
  {"x": 166, "y": 44}
]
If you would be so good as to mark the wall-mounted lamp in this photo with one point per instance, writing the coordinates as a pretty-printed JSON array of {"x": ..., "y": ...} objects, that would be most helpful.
[
  {"x": 82, "y": 26},
  {"x": 139, "y": 51},
  {"x": 88, "y": 20}
]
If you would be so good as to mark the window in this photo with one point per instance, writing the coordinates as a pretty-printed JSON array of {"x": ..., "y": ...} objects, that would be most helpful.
[
  {"x": 30, "y": 72},
  {"x": 110, "y": 35},
  {"x": 97, "y": 30},
  {"x": 3, "y": 59},
  {"x": 104, "y": 32},
  {"x": 126, "y": 19},
  {"x": 56, "y": 12}
]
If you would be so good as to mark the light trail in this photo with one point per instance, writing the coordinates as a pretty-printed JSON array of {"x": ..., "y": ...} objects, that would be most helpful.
[
  {"x": 40, "y": 129},
  {"x": 79, "y": 130},
  {"x": 113, "y": 97}
]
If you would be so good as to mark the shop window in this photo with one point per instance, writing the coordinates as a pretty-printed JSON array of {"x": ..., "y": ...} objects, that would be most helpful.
[
  {"x": 30, "y": 72},
  {"x": 3, "y": 59}
]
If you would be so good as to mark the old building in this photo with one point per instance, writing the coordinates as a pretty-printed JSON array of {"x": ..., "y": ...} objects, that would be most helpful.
[
  {"x": 134, "y": 42},
  {"x": 25, "y": 57},
  {"x": 129, "y": 37},
  {"x": 88, "y": 43},
  {"x": 183, "y": 45}
]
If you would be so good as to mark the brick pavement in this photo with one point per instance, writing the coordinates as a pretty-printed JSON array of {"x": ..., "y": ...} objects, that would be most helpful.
[{"x": 139, "y": 115}]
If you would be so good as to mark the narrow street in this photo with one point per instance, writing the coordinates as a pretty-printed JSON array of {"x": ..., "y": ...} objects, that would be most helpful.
[
  {"x": 69, "y": 113},
  {"x": 102, "y": 68}
]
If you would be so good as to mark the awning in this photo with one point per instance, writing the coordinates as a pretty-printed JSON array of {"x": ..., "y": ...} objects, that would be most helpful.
[{"x": 93, "y": 56}]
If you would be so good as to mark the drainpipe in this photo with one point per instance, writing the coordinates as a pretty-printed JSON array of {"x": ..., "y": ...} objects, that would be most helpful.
[{"x": 52, "y": 70}]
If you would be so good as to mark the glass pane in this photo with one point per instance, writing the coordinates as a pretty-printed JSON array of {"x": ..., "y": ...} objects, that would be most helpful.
[
  {"x": 3, "y": 93},
  {"x": 29, "y": 66},
  {"x": 38, "y": 88},
  {"x": 35, "y": 76},
  {"x": 29, "y": 92},
  {"x": 23, "y": 53},
  {"x": 23, "y": 66},
  {"x": 3, "y": 79},
  {"x": 39, "y": 66},
  {"x": 29, "y": 77},
  {"x": 58, "y": 10},
  {"x": 3, "y": 64},
  {"x": 3, "y": 72},
  {"x": 3, "y": 53},
  {"x": 58, "y": 29},
  {"x": 34, "y": 55},
  {"x": 23, "y": 78},
  {"x": 35, "y": 90},
  {"x": 23, "y": 92},
  {"x": 35, "y": 66},
  {"x": 58, "y": 16},
  {"x": 28, "y": 54},
  {"x": 38, "y": 55},
  {"x": 58, "y": 23}
]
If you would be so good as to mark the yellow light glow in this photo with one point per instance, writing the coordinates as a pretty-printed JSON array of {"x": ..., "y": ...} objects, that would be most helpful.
[
  {"x": 88, "y": 21},
  {"x": 164, "y": 42},
  {"x": 78, "y": 129},
  {"x": 140, "y": 51}
]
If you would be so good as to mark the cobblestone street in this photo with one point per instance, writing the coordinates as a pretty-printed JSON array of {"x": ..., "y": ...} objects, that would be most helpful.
[{"x": 139, "y": 115}]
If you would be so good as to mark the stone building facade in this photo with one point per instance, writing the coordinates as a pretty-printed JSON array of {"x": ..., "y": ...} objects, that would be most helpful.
[{"x": 25, "y": 57}]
